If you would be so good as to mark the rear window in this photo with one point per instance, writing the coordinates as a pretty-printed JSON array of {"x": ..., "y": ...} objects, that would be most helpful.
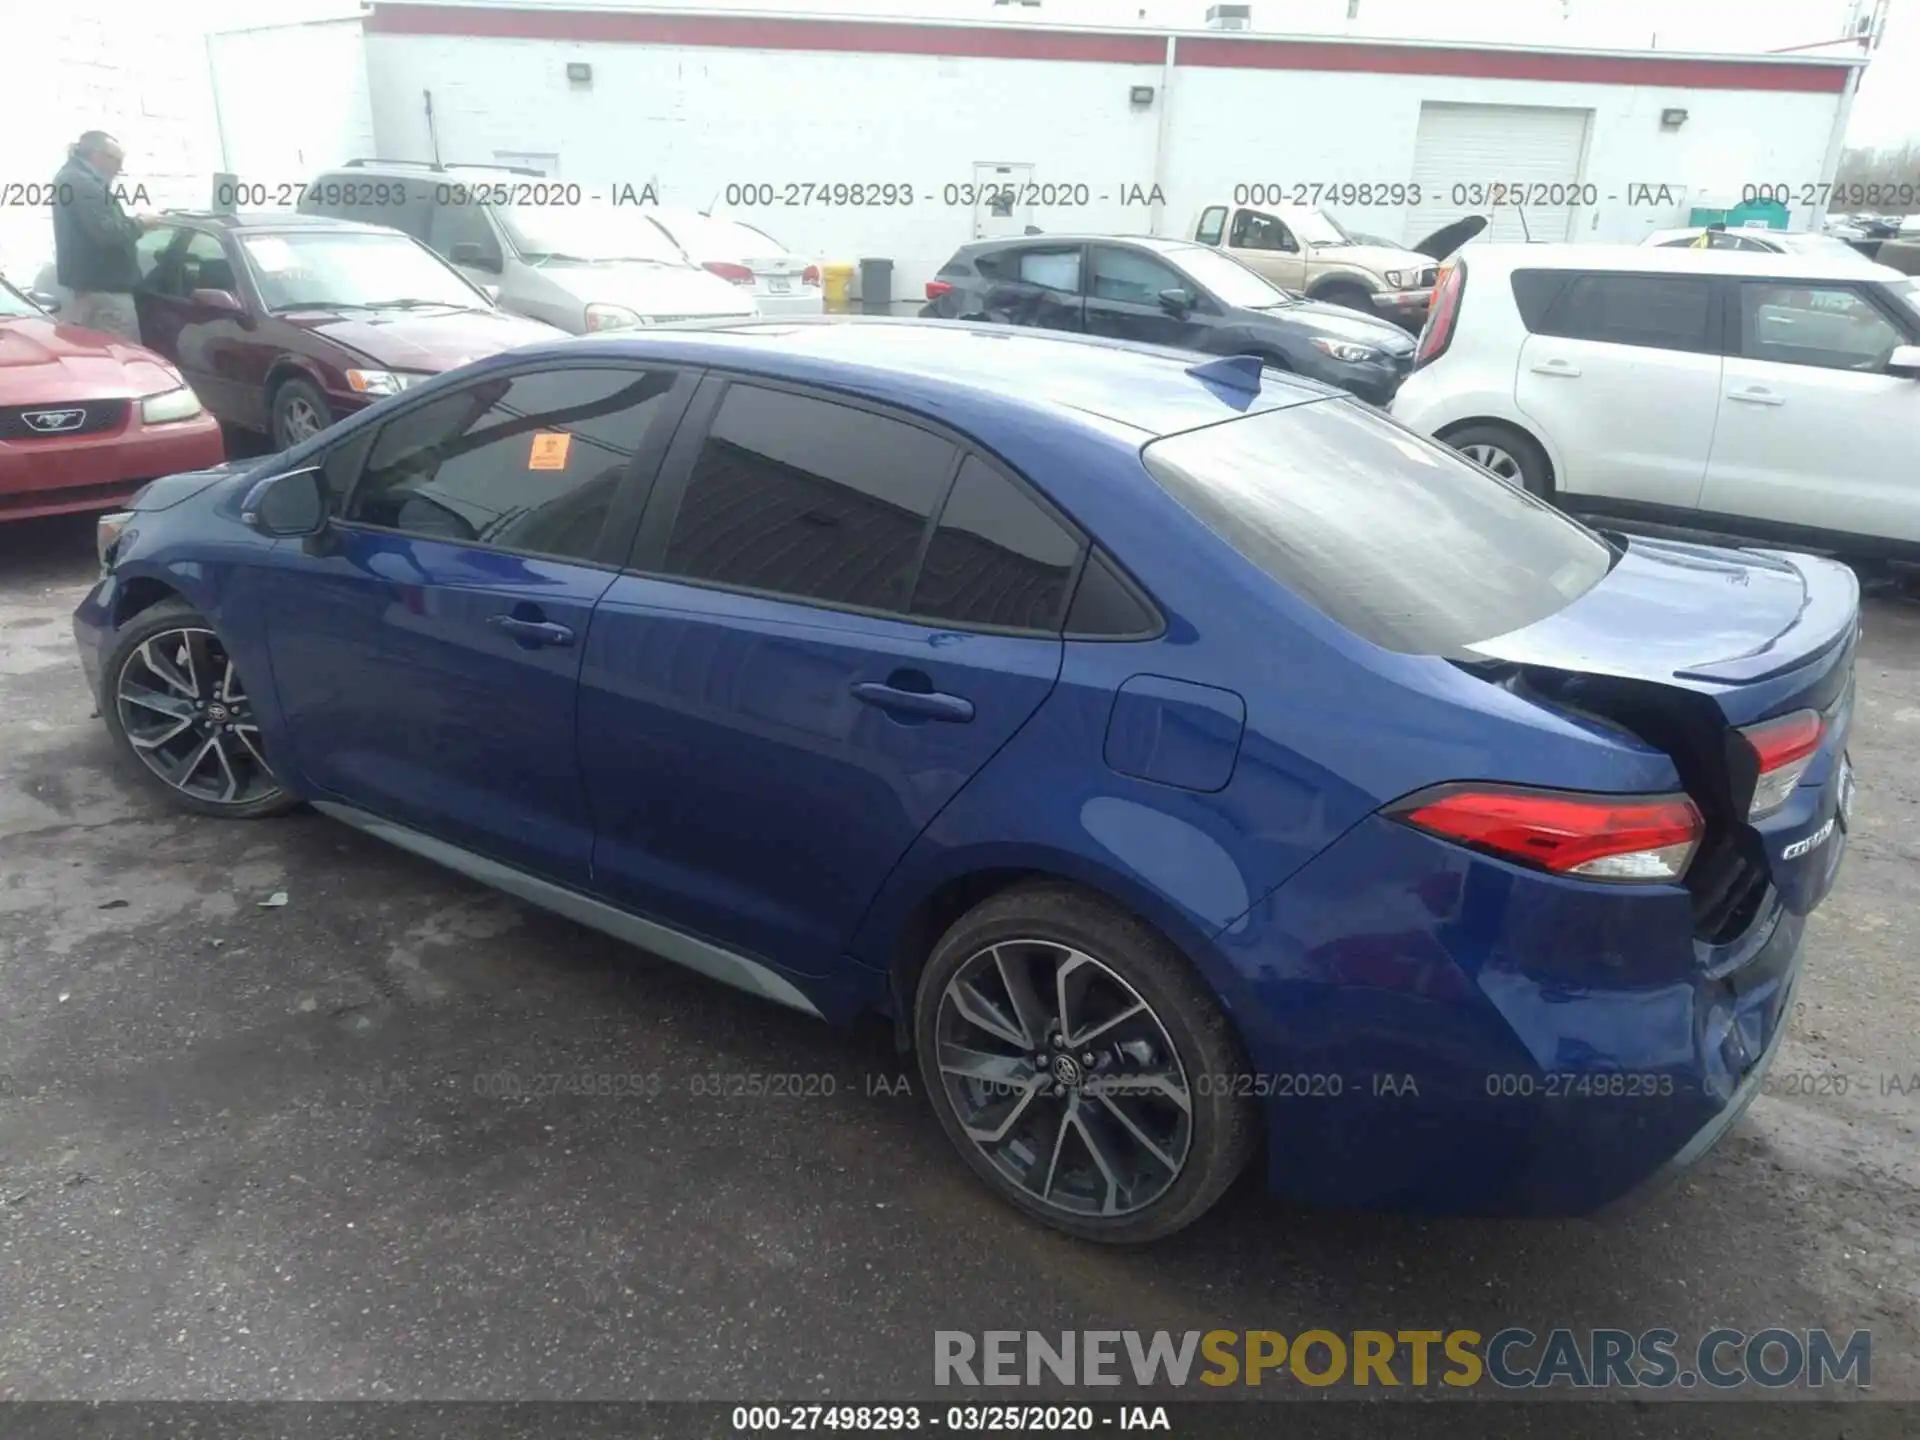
[{"x": 1397, "y": 538}]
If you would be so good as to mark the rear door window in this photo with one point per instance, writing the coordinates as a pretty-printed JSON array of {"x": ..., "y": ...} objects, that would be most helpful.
[
  {"x": 1661, "y": 312},
  {"x": 996, "y": 558},
  {"x": 1393, "y": 536},
  {"x": 809, "y": 500},
  {"x": 1213, "y": 221},
  {"x": 1052, "y": 269}
]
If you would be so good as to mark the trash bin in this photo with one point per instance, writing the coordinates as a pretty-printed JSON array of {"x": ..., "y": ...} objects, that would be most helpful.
[
  {"x": 876, "y": 287},
  {"x": 836, "y": 280}
]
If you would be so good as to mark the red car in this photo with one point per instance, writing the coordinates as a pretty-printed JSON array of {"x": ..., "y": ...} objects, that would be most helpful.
[
  {"x": 285, "y": 323},
  {"x": 87, "y": 419}
]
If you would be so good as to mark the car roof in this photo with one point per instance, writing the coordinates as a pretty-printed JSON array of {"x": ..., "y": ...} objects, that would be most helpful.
[
  {"x": 265, "y": 220},
  {"x": 948, "y": 368},
  {"x": 1162, "y": 243},
  {"x": 1646, "y": 259}
]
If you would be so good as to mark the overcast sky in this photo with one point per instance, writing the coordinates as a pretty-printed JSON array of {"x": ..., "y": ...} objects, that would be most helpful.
[{"x": 1885, "y": 112}]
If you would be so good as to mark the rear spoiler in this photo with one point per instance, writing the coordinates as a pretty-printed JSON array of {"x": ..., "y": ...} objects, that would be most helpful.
[{"x": 1828, "y": 618}]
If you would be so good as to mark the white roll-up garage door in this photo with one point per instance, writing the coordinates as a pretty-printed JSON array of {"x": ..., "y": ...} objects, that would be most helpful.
[{"x": 1468, "y": 157}]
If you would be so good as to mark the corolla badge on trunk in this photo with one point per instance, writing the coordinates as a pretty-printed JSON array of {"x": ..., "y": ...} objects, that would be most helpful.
[{"x": 1812, "y": 842}]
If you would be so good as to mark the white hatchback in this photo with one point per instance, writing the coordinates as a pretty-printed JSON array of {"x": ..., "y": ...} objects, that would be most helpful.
[{"x": 1751, "y": 396}]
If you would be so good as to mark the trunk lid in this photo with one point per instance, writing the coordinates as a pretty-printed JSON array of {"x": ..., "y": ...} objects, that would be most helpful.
[{"x": 1684, "y": 645}]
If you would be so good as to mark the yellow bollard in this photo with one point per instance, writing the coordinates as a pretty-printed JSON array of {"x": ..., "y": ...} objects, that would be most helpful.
[{"x": 837, "y": 280}]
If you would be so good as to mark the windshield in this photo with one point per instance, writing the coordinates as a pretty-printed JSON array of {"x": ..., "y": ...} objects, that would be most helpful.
[
  {"x": 1231, "y": 282},
  {"x": 708, "y": 237},
  {"x": 336, "y": 269},
  {"x": 1316, "y": 227},
  {"x": 1908, "y": 293},
  {"x": 14, "y": 305},
  {"x": 586, "y": 232},
  {"x": 1395, "y": 537},
  {"x": 1806, "y": 243}
]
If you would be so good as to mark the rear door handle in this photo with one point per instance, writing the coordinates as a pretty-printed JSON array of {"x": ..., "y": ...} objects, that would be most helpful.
[
  {"x": 532, "y": 633},
  {"x": 1756, "y": 396},
  {"x": 933, "y": 706},
  {"x": 1566, "y": 369}
]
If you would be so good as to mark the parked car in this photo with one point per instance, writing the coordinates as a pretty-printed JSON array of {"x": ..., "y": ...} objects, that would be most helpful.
[
  {"x": 86, "y": 419},
  {"x": 579, "y": 266},
  {"x": 1752, "y": 395},
  {"x": 1304, "y": 249},
  {"x": 1168, "y": 292},
  {"x": 285, "y": 323},
  {"x": 1761, "y": 242},
  {"x": 1180, "y": 753},
  {"x": 780, "y": 282}
]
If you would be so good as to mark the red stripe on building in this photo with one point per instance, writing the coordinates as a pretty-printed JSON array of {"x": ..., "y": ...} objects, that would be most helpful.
[
  {"x": 1674, "y": 74},
  {"x": 736, "y": 32}
]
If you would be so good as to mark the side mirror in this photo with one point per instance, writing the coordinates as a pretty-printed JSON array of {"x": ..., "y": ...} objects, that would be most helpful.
[
  {"x": 1905, "y": 362},
  {"x": 219, "y": 300},
  {"x": 1176, "y": 301},
  {"x": 472, "y": 252},
  {"x": 291, "y": 503},
  {"x": 46, "y": 300}
]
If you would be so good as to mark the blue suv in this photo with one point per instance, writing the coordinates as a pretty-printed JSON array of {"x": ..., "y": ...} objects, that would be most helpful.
[{"x": 1185, "y": 756}]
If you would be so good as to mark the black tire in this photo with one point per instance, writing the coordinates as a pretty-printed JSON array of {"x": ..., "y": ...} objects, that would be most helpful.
[
  {"x": 1211, "y": 1136},
  {"x": 1353, "y": 297},
  {"x": 1485, "y": 442},
  {"x": 211, "y": 751},
  {"x": 298, "y": 404}
]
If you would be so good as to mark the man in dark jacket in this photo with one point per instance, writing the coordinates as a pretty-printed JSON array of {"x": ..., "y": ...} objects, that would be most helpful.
[{"x": 93, "y": 239}]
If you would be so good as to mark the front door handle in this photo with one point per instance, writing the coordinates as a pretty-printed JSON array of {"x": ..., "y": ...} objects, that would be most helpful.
[
  {"x": 1566, "y": 369},
  {"x": 925, "y": 705},
  {"x": 532, "y": 633},
  {"x": 1756, "y": 396}
]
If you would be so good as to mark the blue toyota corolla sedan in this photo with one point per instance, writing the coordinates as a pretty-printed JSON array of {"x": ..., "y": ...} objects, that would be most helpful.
[{"x": 1190, "y": 760}]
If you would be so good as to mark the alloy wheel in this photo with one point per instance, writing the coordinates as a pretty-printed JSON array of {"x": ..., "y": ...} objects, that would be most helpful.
[
  {"x": 1492, "y": 457},
  {"x": 1064, "y": 1078},
  {"x": 300, "y": 420},
  {"x": 189, "y": 720}
]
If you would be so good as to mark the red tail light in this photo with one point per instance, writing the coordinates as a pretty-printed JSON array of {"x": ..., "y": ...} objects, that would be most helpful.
[
  {"x": 730, "y": 272},
  {"x": 810, "y": 276},
  {"x": 1598, "y": 837},
  {"x": 937, "y": 288},
  {"x": 1784, "y": 748},
  {"x": 1442, "y": 313}
]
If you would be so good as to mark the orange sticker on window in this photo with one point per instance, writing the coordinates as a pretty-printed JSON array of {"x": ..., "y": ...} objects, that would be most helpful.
[{"x": 549, "y": 450}]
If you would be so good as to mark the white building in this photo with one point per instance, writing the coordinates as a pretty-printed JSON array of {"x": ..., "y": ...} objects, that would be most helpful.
[{"x": 741, "y": 112}]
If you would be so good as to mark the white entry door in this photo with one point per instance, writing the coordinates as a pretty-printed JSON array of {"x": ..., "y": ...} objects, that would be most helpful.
[{"x": 999, "y": 200}]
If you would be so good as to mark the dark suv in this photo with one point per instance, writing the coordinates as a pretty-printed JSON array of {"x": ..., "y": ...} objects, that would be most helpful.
[{"x": 1169, "y": 292}]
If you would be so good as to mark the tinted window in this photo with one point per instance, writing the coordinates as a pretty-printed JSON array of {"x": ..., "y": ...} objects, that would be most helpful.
[
  {"x": 525, "y": 462},
  {"x": 1053, "y": 269},
  {"x": 149, "y": 248},
  {"x": 1665, "y": 312},
  {"x": 1534, "y": 292},
  {"x": 803, "y": 497},
  {"x": 1393, "y": 536},
  {"x": 1103, "y": 604},
  {"x": 1131, "y": 276},
  {"x": 1212, "y": 221},
  {"x": 452, "y": 225},
  {"x": 1832, "y": 327},
  {"x": 999, "y": 264},
  {"x": 997, "y": 558}
]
